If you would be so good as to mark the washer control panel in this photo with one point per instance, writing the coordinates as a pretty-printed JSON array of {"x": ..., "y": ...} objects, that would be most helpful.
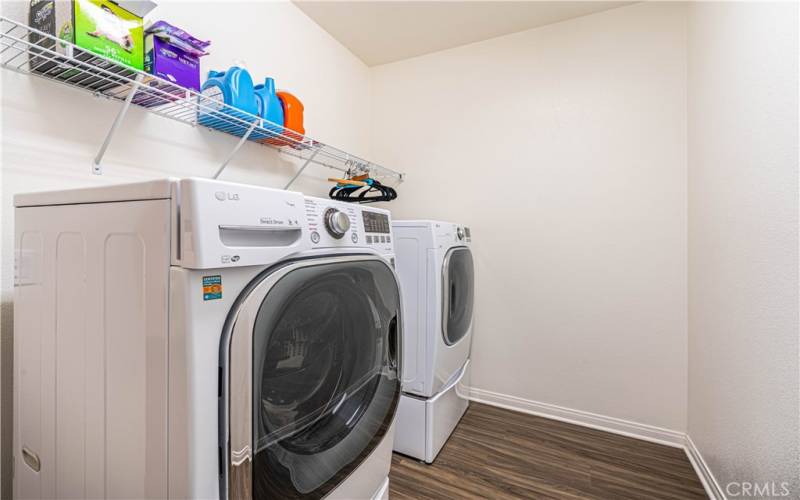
[
  {"x": 336, "y": 222},
  {"x": 377, "y": 227},
  {"x": 339, "y": 224}
]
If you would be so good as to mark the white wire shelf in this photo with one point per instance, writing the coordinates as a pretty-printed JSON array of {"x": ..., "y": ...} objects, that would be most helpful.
[{"x": 26, "y": 50}]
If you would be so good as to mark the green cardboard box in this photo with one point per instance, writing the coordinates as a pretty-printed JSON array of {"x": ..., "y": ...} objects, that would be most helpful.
[{"x": 111, "y": 28}]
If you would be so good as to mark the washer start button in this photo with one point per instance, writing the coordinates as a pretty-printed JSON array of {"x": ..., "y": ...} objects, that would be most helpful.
[{"x": 314, "y": 237}]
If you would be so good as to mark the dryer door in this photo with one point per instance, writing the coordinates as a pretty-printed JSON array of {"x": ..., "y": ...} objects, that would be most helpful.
[
  {"x": 313, "y": 376},
  {"x": 458, "y": 280}
]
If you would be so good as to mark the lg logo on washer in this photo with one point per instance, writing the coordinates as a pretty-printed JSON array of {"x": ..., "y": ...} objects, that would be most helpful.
[{"x": 222, "y": 196}]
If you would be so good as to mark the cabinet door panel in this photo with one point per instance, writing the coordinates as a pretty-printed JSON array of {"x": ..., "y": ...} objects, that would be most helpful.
[{"x": 91, "y": 359}]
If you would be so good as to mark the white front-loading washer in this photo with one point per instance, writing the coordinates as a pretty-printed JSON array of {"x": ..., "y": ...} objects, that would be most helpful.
[
  {"x": 202, "y": 339},
  {"x": 435, "y": 266}
]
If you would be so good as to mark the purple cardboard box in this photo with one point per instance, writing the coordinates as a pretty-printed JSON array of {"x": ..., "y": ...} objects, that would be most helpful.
[
  {"x": 175, "y": 65},
  {"x": 174, "y": 55}
]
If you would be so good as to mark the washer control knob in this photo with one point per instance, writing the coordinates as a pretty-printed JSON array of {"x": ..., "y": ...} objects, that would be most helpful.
[
  {"x": 337, "y": 223},
  {"x": 460, "y": 233}
]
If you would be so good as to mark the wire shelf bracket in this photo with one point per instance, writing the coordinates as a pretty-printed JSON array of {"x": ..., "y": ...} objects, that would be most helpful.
[
  {"x": 31, "y": 52},
  {"x": 305, "y": 164},
  {"x": 97, "y": 169},
  {"x": 236, "y": 148}
]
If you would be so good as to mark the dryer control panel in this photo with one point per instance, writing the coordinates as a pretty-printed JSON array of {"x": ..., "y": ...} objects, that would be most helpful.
[
  {"x": 339, "y": 224},
  {"x": 447, "y": 234}
]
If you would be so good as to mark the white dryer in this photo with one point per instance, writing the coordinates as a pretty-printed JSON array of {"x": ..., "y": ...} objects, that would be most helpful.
[
  {"x": 435, "y": 265},
  {"x": 203, "y": 339}
]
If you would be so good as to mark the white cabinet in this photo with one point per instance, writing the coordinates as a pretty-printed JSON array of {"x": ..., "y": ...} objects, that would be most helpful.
[{"x": 90, "y": 335}]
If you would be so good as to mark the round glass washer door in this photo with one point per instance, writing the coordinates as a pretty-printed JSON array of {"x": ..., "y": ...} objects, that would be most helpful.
[{"x": 323, "y": 375}]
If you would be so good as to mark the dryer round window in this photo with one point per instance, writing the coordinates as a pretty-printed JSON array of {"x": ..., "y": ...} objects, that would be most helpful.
[{"x": 458, "y": 280}]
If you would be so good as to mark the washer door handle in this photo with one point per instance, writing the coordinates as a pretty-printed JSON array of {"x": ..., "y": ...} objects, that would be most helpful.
[
  {"x": 31, "y": 459},
  {"x": 452, "y": 297}
]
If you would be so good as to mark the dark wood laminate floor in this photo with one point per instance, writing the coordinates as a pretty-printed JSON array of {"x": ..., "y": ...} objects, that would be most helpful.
[{"x": 497, "y": 453}]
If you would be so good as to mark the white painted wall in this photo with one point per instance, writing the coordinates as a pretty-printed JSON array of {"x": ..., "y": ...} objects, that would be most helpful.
[
  {"x": 51, "y": 133},
  {"x": 744, "y": 413},
  {"x": 564, "y": 148}
]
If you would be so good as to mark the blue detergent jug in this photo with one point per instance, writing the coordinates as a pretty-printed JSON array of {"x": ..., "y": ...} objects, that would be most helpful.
[
  {"x": 234, "y": 88},
  {"x": 269, "y": 106}
]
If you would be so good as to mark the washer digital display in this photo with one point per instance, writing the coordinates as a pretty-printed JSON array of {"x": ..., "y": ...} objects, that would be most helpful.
[{"x": 375, "y": 222}]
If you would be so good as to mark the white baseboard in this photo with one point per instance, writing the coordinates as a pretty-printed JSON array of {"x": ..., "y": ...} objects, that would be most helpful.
[
  {"x": 601, "y": 422},
  {"x": 620, "y": 426},
  {"x": 710, "y": 483}
]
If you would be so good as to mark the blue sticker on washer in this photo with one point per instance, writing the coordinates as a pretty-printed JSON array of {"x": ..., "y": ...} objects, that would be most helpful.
[{"x": 212, "y": 287}]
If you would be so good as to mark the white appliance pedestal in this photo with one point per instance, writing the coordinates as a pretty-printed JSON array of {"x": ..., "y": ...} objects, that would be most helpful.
[{"x": 424, "y": 425}]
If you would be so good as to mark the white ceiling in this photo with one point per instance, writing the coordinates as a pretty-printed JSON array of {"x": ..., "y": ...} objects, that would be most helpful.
[{"x": 380, "y": 32}]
